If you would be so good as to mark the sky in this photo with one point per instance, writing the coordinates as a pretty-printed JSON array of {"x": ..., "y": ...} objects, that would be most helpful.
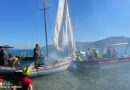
[{"x": 22, "y": 23}]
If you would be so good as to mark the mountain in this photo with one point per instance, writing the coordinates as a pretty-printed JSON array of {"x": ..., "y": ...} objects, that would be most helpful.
[
  {"x": 108, "y": 41},
  {"x": 100, "y": 43}
]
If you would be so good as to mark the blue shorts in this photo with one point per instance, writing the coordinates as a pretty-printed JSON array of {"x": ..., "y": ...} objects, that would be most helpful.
[{"x": 36, "y": 58}]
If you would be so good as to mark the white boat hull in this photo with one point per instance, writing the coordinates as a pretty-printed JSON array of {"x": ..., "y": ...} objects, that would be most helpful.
[
  {"x": 51, "y": 68},
  {"x": 48, "y": 71}
]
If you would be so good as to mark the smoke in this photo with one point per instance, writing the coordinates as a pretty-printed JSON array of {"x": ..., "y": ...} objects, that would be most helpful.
[
  {"x": 53, "y": 55},
  {"x": 52, "y": 58}
]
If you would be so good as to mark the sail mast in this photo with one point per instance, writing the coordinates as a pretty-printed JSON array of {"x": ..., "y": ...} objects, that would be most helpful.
[{"x": 45, "y": 29}]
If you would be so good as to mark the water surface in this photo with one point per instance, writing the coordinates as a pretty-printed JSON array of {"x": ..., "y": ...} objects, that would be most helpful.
[{"x": 115, "y": 78}]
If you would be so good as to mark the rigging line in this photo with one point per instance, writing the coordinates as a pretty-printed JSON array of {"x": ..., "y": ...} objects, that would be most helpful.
[
  {"x": 72, "y": 16},
  {"x": 72, "y": 19}
]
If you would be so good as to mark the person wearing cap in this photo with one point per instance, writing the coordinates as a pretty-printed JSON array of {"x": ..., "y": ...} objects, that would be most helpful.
[
  {"x": 23, "y": 81},
  {"x": 36, "y": 55},
  {"x": 13, "y": 60}
]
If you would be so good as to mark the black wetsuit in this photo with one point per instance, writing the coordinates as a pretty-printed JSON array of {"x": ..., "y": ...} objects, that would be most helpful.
[
  {"x": 1, "y": 58},
  {"x": 35, "y": 54}
]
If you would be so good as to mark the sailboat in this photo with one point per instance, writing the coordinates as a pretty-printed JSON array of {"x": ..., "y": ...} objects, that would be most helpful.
[{"x": 60, "y": 41}]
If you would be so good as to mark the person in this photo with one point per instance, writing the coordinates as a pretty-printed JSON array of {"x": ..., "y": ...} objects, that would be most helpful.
[
  {"x": 95, "y": 54},
  {"x": 114, "y": 53},
  {"x": 2, "y": 54},
  {"x": 104, "y": 53},
  {"x": 23, "y": 81},
  {"x": 1, "y": 81},
  {"x": 10, "y": 55},
  {"x": 89, "y": 54},
  {"x": 36, "y": 55},
  {"x": 78, "y": 58},
  {"x": 13, "y": 60},
  {"x": 108, "y": 53}
]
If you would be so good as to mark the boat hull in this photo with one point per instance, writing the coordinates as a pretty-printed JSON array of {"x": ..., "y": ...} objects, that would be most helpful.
[
  {"x": 7, "y": 69},
  {"x": 49, "y": 71},
  {"x": 101, "y": 63},
  {"x": 61, "y": 66}
]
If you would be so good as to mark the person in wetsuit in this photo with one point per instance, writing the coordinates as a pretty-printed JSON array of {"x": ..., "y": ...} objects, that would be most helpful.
[
  {"x": 36, "y": 55},
  {"x": 2, "y": 57}
]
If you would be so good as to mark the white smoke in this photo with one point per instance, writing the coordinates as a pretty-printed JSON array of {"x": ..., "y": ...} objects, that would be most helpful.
[{"x": 52, "y": 58}]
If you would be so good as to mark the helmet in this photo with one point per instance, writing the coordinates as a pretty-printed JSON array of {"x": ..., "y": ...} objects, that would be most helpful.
[{"x": 26, "y": 71}]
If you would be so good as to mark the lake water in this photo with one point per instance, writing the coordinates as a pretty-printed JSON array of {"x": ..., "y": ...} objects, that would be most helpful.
[
  {"x": 111, "y": 78},
  {"x": 114, "y": 78}
]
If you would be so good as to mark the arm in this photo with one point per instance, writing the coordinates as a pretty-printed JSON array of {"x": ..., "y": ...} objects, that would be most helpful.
[
  {"x": 30, "y": 87},
  {"x": 19, "y": 63},
  {"x": 13, "y": 89},
  {"x": 14, "y": 84},
  {"x": 13, "y": 65},
  {"x": 12, "y": 58}
]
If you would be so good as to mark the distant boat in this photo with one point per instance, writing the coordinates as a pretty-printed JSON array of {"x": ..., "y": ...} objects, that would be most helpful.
[{"x": 104, "y": 62}]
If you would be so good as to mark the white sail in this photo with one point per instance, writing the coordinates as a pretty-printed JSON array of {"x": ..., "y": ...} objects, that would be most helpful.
[
  {"x": 60, "y": 34},
  {"x": 72, "y": 36}
]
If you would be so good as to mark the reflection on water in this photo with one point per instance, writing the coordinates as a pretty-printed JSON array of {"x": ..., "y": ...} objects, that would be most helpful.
[
  {"x": 58, "y": 81},
  {"x": 115, "y": 78}
]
